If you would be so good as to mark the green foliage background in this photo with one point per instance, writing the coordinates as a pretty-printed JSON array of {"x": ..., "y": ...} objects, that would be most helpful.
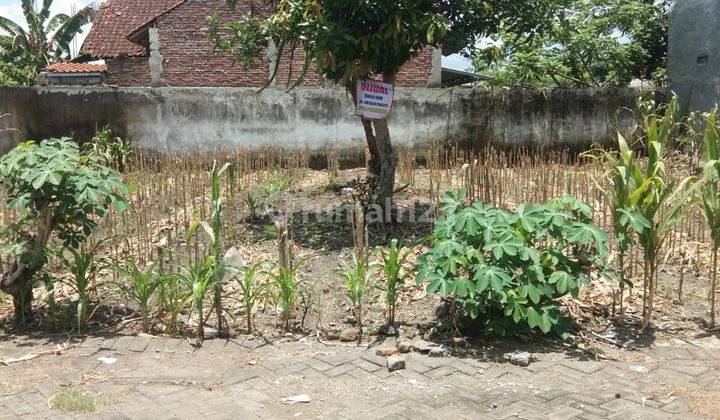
[{"x": 591, "y": 43}]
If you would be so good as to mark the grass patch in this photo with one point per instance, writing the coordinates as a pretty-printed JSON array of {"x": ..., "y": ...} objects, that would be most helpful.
[
  {"x": 269, "y": 230},
  {"x": 72, "y": 401},
  {"x": 274, "y": 185}
]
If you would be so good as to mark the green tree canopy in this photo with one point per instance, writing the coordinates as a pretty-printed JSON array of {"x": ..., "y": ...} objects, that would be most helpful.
[
  {"x": 591, "y": 43},
  {"x": 24, "y": 52},
  {"x": 346, "y": 40}
]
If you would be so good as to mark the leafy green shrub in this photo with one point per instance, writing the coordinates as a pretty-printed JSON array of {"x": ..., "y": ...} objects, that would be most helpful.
[
  {"x": 509, "y": 267},
  {"x": 113, "y": 150},
  {"x": 55, "y": 191}
]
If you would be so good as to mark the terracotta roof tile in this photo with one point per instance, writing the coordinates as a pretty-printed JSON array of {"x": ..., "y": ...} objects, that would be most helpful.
[
  {"x": 115, "y": 20},
  {"x": 76, "y": 68}
]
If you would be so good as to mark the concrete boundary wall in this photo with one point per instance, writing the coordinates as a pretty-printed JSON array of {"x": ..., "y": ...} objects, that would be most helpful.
[{"x": 184, "y": 119}]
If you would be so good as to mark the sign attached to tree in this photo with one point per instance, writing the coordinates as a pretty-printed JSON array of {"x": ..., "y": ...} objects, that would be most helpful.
[{"x": 374, "y": 99}]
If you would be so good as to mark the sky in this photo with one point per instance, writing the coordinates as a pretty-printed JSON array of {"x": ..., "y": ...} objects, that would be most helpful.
[{"x": 11, "y": 9}]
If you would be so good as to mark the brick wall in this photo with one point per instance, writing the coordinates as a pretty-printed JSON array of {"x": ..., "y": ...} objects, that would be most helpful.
[
  {"x": 190, "y": 60},
  {"x": 417, "y": 72},
  {"x": 188, "y": 55},
  {"x": 128, "y": 71},
  {"x": 288, "y": 75}
]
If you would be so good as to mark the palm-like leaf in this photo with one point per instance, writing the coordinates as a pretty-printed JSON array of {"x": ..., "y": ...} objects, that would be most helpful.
[
  {"x": 46, "y": 40},
  {"x": 12, "y": 28},
  {"x": 56, "y": 21},
  {"x": 709, "y": 198},
  {"x": 62, "y": 37}
]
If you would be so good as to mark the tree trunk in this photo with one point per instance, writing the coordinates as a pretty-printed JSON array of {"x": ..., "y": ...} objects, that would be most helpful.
[
  {"x": 18, "y": 281},
  {"x": 386, "y": 184},
  {"x": 374, "y": 161},
  {"x": 381, "y": 164}
]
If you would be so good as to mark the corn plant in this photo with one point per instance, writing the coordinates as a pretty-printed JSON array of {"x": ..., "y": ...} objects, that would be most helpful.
[
  {"x": 659, "y": 199},
  {"x": 253, "y": 206},
  {"x": 392, "y": 263},
  {"x": 173, "y": 296},
  {"x": 709, "y": 196},
  {"x": 214, "y": 231},
  {"x": 83, "y": 269},
  {"x": 140, "y": 286},
  {"x": 357, "y": 276},
  {"x": 286, "y": 284},
  {"x": 627, "y": 221},
  {"x": 198, "y": 278},
  {"x": 249, "y": 281},
  {"x": 50, "y": 301}
]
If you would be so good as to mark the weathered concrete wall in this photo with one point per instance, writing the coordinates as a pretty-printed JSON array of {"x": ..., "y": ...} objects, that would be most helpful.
[
  {"x": 180, "y": 119},
  {"x": 694, "y": 53}
]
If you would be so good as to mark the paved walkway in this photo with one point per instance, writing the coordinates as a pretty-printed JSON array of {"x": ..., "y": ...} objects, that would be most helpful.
[{"x": 163, "y": 378}]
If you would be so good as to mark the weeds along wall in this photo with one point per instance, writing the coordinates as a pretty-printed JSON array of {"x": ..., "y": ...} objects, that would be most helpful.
[{"x": 188, "y": 119}]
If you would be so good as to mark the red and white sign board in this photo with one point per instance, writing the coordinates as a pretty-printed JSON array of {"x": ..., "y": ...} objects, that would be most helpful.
[{"x": 374, "y": 99}]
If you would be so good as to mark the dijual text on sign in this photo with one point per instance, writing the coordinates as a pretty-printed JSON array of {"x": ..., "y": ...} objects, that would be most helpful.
[{"x": 374, "y": 99}]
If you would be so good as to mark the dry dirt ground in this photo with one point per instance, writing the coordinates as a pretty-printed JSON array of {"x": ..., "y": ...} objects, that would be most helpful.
[{"x": 604, "y": 371}]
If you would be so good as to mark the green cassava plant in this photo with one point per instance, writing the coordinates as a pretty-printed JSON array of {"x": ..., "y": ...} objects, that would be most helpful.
[
  {"x": 140, "y": 286},
  {"x": 660, "y": 199},
  {"x": 357, "y": 276},
  {"x": 511, "y": 267},
  {"x": 84, "y": 269},
  {"x": 393, "y": 260},
  {"x": 709, "y": 196},
  {"x": 56, "y": 192}
]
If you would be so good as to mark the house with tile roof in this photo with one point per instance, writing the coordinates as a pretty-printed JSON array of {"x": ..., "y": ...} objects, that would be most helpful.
[
  {"x": 73, "y": 74},
  {"x": 165, "y": 43}
]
